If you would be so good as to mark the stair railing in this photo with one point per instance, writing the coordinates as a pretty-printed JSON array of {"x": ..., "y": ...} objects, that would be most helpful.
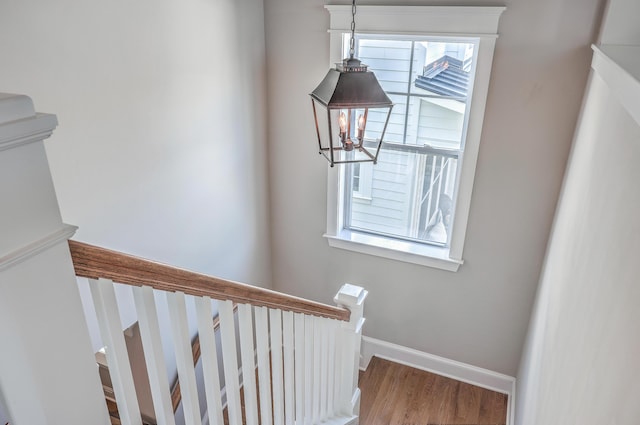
[
  {"x": 302, "y": 370},
  {"x": 307, "y": 353}
]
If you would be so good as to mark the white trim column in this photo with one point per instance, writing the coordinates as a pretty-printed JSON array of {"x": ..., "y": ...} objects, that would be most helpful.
[
  {"x": 351, "y": 297},
  {"x": 47, "y": 368}
]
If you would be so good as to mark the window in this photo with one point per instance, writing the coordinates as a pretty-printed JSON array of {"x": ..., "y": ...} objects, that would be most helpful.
[
  {"x": 411, "y": 189},
  {"x": 413, "y": 205}
]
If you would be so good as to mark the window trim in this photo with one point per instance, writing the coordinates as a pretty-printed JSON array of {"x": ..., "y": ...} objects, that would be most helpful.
[{"x": 442, "y": 21}]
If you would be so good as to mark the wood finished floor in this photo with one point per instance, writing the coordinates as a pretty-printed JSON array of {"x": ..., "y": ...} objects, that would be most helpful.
[{"x": 394, "y": 394}]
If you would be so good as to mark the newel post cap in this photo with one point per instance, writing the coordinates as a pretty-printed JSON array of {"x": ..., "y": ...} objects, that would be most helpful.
[
  {"x": 350, "y": 296},
  {"x": 15, "y": 107},
  {"x": 20, "y": 123}
]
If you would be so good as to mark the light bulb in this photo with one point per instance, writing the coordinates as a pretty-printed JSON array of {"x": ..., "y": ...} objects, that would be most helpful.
[
  {"x": 342, "y": 121},
  {"x": 360, "y": 127}
]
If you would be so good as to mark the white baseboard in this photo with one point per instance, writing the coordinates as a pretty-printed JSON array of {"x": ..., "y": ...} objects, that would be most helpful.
[{"x": 441, "y": 366}]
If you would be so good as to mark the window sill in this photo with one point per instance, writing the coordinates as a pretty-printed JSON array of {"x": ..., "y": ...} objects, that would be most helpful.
[{"x": 393, "y": 249}]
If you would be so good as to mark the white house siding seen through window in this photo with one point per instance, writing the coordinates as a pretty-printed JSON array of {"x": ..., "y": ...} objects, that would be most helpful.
[{"x": 411, "y": 191}]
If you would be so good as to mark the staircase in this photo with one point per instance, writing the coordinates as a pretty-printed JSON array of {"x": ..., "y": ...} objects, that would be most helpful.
[
  {"x": 277, "y": 360},
  {"x": 306, "y": 352}
]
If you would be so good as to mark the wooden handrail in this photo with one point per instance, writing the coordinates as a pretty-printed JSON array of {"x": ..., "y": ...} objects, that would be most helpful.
[{"x": 94, "y": 262}]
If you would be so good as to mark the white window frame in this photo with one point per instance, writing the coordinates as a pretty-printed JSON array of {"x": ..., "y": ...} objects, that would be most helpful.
[{"x": 445, "y": 21}]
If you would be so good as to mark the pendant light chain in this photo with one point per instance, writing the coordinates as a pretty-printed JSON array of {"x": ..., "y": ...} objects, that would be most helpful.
[{"x": 352, "y": 42}]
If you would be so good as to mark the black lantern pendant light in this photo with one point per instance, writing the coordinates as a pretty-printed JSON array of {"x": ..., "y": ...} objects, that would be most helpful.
[{"x": 348, "y": 99}]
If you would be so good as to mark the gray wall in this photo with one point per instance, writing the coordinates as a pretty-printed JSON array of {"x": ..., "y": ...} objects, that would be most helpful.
[
  {"x": 619, "y": 25},
  {"x": 4, "y": 418},
  {"x": 160, "y": 149},
  {"x": 478, "y": 315}
]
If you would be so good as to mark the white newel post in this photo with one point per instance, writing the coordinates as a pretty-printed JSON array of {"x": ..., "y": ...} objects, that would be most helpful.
[
  {"x": 47, "y": 369},
  {"x": 351, "y": 297}
]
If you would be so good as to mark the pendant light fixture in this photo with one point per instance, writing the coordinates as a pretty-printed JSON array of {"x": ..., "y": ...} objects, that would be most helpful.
[{"x": 348, "y": 99}]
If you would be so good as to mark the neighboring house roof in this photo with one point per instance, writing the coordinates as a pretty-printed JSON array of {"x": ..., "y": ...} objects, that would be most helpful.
[{"x": 445, "y": 76}]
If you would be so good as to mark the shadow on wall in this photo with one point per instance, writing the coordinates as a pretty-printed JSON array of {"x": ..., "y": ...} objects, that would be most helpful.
[{"x": 4, "y": 418}]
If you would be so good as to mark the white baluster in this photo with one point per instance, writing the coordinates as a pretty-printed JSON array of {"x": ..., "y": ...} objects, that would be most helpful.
[
  {"x": 308, "y": 369},
  {"x": 245, "y": 325},
  {"x": 300, "y": 367},
  {"x": 331, "y": 347},
  {"x": 275, "y": 317},
  {"x": 289, "y": 367},
  {"x": 317, "y": 354},
  {"x": 338, "y": 338},
  {"x": 264, "y": 366},
  {"x": 209, "y": 359},
  {"x": 104, "y": 300},
  {"x": 351, "y": 297},
  {"x": 432, "y": 177},
  {"x": 153, "y": 354},
  {"x": 230, "y": 362},
  {"x": 324, "y": 365},
  {"x": 184, "y": 357},
  {"x": 440, "y": 179}
]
